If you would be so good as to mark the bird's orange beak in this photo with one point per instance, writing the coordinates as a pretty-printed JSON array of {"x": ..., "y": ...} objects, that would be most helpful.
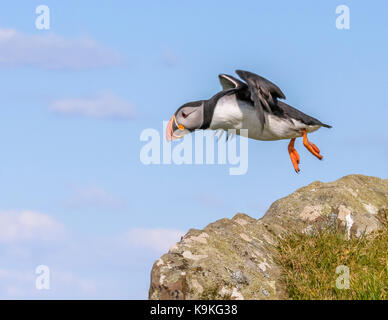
[{"x": 173, "y": 128}]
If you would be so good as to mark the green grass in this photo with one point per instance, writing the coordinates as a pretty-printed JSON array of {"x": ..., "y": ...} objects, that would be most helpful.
[{"x": 309, "y": 263}]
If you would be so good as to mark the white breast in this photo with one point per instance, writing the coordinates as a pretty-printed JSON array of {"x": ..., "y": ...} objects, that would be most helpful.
[{"x": 231, "y": 113}]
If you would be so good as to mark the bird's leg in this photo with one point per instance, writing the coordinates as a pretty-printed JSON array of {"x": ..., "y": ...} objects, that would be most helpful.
[
  {"x": 294, "y": 156},
  {"x": 311, "y": 146}
]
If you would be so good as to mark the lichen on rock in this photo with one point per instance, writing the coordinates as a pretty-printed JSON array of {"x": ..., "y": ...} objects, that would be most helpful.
[{"x": 235, "y": 258}]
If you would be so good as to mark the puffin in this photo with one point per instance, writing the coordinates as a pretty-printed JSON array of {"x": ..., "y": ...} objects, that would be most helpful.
[{"x": 252, "y": 103}]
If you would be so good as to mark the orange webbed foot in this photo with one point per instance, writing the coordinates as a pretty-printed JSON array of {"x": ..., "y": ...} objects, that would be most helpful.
[
  {"x": 311, "y": 146},
  {"x": 294, "y": 155}
]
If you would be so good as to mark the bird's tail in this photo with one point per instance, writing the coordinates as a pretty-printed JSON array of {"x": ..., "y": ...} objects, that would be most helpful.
[{"x": 326, "y": 125}]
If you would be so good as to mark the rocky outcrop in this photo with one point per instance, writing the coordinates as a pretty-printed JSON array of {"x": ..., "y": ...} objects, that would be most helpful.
[{"x": 235, "y": 258}]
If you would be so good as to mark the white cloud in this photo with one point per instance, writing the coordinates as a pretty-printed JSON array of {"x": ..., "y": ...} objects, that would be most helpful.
[
  {"x": 158, "y": 239},
  {"x": 50, "y": 51},
  {"x": 28, "y": 226},
  {"x": 74, "y": 283},
  {"x": 20, "y": 284},
  {"x": 81, "y": 266},
  {"x": 103, "y": 105},
  {"x": 15, "y": 283},
  {"x": 96, "y": 197}
]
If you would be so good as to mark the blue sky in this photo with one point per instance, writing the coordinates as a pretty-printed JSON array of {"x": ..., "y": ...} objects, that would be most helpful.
[{"x": 74, "y": 195}]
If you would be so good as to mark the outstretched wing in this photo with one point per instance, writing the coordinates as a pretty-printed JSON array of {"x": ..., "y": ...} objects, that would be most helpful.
[{"x": 264, "y": 93}]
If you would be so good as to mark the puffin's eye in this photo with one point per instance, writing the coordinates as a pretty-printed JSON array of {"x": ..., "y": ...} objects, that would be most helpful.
[{"x": 184, "y": 115}]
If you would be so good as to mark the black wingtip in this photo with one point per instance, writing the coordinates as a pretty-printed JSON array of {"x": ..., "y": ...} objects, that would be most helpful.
[
  {"x": 240, "y": 72},
  {"x": 327, "y": 126},
  {"x": 225, "y": 76},
  {"x": 282, "y": 96}
]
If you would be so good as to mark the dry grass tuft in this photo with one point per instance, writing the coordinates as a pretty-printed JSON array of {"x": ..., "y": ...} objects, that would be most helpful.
[{"x": 310, "y": 261}]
